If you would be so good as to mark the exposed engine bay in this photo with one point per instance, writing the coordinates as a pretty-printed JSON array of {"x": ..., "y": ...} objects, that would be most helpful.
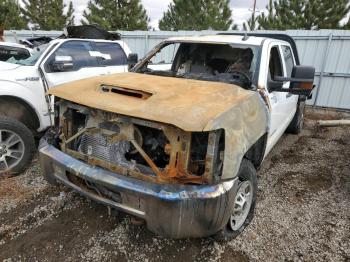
[{"x": 138, "y": 148}]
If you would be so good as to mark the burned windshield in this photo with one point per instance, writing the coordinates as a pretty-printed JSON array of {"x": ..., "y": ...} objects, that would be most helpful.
[{"x": 210, "y": 62}]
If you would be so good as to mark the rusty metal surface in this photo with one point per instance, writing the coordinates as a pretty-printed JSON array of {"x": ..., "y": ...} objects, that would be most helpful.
[
  {"x": 244, "y": 124},
  {"x": 187, "y": 104},
  {"x": 191, "y": 105},
  {"x": 187, "y": 210},
  {"x": 178, "y": 147}
]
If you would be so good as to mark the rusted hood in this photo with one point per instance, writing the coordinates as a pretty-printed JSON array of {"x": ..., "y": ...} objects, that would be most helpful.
[{"x": 187, "y": 104}]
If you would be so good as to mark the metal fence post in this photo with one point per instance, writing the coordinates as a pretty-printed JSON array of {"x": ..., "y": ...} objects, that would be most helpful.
[
  {"x": 15, "y": 36},
  {"x": 323, "y": 66},
  {"x": 146, "y": 43}
]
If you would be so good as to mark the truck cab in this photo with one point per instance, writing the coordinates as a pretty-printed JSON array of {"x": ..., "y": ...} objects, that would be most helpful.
[
  {"x": 25, "y": 81},
  {"x": 272, "y": 56}
]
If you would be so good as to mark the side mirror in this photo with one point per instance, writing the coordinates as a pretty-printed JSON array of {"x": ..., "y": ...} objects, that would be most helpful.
[
  {"x": 62, "y": 64},
  {"x": 301, "y": 82},
  {"x": 133, "y": 58}
]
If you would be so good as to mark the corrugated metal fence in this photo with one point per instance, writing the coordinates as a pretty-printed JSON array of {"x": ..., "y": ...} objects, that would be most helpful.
[{"x": 327, "y": 50}]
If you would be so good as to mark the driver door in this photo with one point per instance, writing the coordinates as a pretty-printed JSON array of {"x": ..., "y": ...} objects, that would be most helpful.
[
  {"x": 279, "y": 110},
  {"x": 291, "y": 101}
]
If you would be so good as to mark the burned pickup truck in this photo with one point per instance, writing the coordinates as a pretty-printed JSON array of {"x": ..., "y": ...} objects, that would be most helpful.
[{"x": 177, "y": 141}]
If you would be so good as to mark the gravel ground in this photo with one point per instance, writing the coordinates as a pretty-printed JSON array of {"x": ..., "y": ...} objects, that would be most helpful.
[{"x": 302, "y": 214}]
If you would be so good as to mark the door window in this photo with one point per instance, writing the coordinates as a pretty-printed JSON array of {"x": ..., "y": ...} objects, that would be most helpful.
[
  {"x": 110, "y": 54},
  {"x": 80, "y": 51},
  {"x": 275, "y": 64},
  {"x": 288, "y": 59}
]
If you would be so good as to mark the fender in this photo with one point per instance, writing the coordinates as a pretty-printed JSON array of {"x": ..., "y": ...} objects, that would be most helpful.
[
  {"x": 34, "y": 99},
  {"x": 244, "y": 124}
]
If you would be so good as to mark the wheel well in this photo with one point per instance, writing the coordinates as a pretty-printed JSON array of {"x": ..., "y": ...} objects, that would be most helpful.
[
  {"x": 19, "y": 109},
  {"x": 256, "y": 152}
]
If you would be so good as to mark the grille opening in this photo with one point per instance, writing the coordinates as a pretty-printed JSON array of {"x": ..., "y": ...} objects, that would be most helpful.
[
  {"x": 126, "y": 92},
  {"x": 153, "y": 143},
  {"x": 122, "y": 153},
  {"x": 75, "y": 120}
]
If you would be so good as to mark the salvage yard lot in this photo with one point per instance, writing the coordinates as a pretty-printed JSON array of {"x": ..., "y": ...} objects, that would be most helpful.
[{"x": 302, "y": 213}]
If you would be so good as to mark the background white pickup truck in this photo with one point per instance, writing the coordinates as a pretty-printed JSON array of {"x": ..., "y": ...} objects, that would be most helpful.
[{"x": 24, "y": 108}]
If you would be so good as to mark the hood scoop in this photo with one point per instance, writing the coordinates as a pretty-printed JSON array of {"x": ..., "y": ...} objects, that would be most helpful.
[{"x": 126, "y": 92}]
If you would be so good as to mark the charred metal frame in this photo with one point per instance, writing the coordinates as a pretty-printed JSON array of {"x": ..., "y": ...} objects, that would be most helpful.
[
  {"x": 178, "y": 148},
  {"x": 212, "y": 157}
]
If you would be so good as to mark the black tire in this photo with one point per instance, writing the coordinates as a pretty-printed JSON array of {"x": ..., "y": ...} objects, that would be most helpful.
[
  {"x": 297, "y": 123},
  {"x": 247, "y": 172},
  {"x": 13, "y": 125}
]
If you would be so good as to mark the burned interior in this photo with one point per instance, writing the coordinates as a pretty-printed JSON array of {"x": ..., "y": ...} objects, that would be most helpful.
[
  {"x": 139, "y": 148},
  {"x": 234, "y": 64}
]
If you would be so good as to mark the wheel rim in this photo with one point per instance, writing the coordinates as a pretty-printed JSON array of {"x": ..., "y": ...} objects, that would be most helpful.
[
  {"x": 242, "y": 204},
  {"x": 11, "y": 149}
]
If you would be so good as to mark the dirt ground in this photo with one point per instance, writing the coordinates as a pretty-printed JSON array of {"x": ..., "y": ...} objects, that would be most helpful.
[{"x": 302, "y": 214}]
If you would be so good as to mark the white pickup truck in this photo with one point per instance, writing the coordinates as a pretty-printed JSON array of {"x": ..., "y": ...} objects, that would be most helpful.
[
  {"x": 24, "y": 108},
  {"x": 177, "y": 141}
]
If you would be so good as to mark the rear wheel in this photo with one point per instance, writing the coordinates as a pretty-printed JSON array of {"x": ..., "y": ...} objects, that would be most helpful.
[
  {"x": 16, "y": 146},
  {"x": 297, "y": 123},
  {"x": 243, "y": 204}
]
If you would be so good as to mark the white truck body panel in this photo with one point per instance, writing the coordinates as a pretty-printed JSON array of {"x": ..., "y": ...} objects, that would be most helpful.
[
  {"x": 26, "y": 83},
  {"x": 283, "y": 105}
]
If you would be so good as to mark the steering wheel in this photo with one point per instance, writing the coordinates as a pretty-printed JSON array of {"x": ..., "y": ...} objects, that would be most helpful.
[{"x": 243, "y": 77}]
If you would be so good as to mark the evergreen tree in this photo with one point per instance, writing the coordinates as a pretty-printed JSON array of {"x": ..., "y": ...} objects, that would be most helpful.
[
  {"x": 251, "y": 24},
  {"x": 48, "y": 14},
  {"x": 197, "y": 15},
  {"x": 347, "y": 25},
  {"x": 116, "y": 14},
  {"x": 304, "y": 14},
  {"x": 10, "y": 15}
]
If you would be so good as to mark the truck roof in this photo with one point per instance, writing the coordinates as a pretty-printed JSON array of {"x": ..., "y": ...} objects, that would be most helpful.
[
  {"x": 59, "y": 40},
  {"x": 14, "y": 45},
  {"x": 234, "y": 39}
]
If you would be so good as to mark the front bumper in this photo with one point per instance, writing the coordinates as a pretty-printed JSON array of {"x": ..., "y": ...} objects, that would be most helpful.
[{"x": 176, "y": 211}]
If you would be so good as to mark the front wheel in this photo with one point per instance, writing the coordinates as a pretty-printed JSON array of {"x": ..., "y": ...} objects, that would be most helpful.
[
  {"x": 16, "y": 146},
  {"x": 243, "y": 204}
]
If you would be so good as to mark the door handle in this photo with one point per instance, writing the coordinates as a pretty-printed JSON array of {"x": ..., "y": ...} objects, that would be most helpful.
[{"x": 288, "y": 95}]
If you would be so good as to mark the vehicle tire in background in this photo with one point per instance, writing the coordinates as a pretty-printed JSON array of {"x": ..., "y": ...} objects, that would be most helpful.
[
  {"x": 17, "y": 146},
  {"x": 297, "y": 123},
  {"x": 244, "y": 203}
]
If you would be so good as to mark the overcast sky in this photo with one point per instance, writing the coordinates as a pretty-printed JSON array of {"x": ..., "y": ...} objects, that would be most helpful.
[{"x": 155, "y": 9}]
